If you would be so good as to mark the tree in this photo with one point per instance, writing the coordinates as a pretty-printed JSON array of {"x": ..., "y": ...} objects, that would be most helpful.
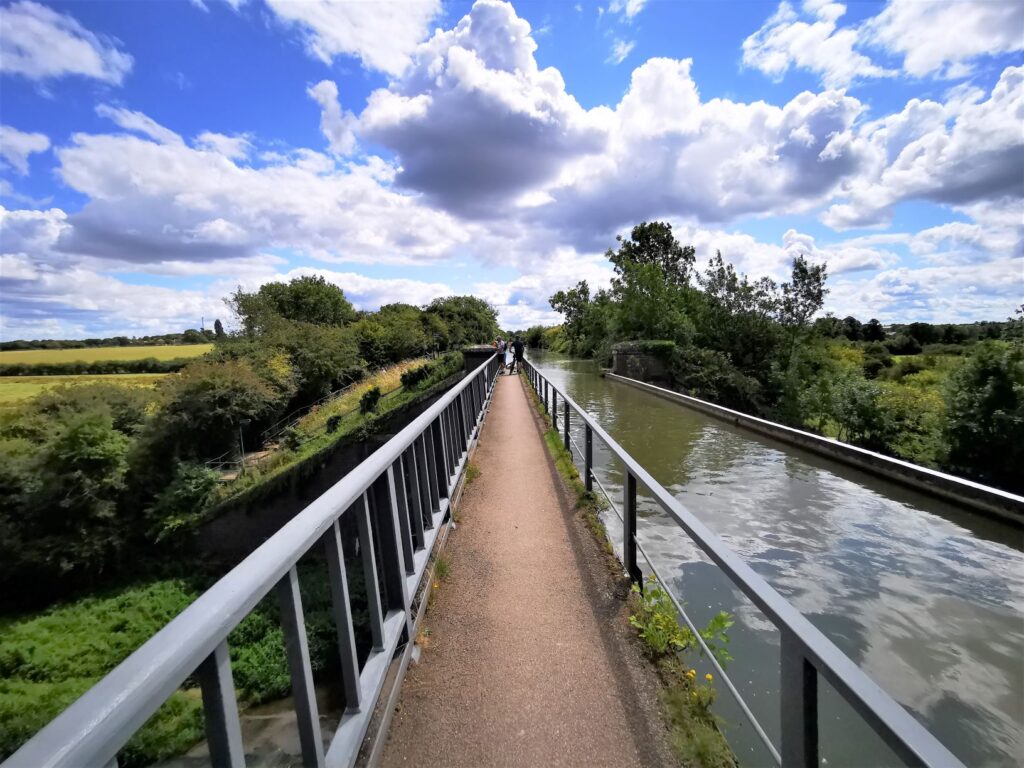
[
  {"x": 852, "y": 328},
  {"x": 469, "y": 320},
  {"x": 308, "y": 299},
  {"x": 192, "y": 336},
  {"x": 873, "y": 331},
  {"x": 218, "y": 329},
  {"x": 654, "y": 243},
  {"x": 985, "y": 428}
]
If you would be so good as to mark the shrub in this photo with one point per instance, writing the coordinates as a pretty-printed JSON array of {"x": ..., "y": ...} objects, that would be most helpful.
[{"x": 368, "y": 402}]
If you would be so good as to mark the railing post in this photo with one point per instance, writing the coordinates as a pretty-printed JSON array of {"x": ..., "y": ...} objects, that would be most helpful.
[
  {"x": 554, "y": 410},
  {"x": 368, "y": 551},
  {"x": 440, "y": 462},
  {"x": 386, "y": 508},
  {"x": 565, "y": 424},
  {"x": 588, "y": 458},
  {"x": 428, "y": 478},
  {"x": 404, "y": 525},
  {"x": 799, "y": 706},
  {"x": 412, "y": 480},
  {"x": 342, "y": 607},
  {"x": 629, "y": 528},
  {"x": 546, "y": 408},
  {"x": 220, "y": 708},
  {"x": 293, "y": 625}
]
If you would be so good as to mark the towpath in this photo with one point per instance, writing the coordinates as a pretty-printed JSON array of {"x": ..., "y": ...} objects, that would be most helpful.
[{"x": 528, "y": 661}]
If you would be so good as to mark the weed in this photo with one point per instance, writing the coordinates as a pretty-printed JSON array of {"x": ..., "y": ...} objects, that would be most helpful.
[
  {"x": 442, "y": 569},
  {"x": 472, "y": 472}
]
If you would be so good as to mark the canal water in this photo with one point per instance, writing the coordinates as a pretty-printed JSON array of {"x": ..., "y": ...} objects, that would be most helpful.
[{"x": 925, "y": 597}]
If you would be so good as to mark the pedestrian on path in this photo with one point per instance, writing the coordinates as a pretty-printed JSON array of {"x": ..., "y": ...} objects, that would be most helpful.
[
  {"x": 500, "y": 346},
  {"x": 518, "y": 349}
]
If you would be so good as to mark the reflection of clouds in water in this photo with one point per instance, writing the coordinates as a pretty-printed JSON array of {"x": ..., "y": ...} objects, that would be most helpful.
[{"x": 931, "y": 612}]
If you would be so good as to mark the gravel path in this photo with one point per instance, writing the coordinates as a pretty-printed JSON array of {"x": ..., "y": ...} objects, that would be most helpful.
[{"x": 529, "y": 659}]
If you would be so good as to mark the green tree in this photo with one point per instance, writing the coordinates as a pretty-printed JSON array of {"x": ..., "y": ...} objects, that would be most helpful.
[
  {"x": 873, "y": 331},
  {"x": 985, "y": 428},
  {"x": 654, "y": 244},
  {"x": 469, "y": 320},
  {"x": 309, "y": 299},
  {"x": 218, "y": 329}
]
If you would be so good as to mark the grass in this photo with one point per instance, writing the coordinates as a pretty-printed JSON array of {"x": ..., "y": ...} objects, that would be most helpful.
[
  {"x": 694, "y": 733},
  {"x": 15, "y": 389},
  {"x": 96, "y": 354},
  {"x": 442, "y": 568},
  {"x": 472, "y": 472},
  {"x": 49, "y": 659}
]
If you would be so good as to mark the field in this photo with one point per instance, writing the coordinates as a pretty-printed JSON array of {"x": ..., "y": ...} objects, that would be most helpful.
[
  {"x": 96, "y": 354},
  {"x": 14, "y": 389}
]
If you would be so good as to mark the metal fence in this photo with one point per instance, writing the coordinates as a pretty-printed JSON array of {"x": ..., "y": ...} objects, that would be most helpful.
[
  {"x": 806, "y": 653},
  {"x": 399, "y": 497}
]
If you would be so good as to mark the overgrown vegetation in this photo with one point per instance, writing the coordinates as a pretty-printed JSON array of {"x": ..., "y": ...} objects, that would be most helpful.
[
  {"x": 96, "y": 480},
  {"x": 47, "y": 661},
  {"x": 947, "y": 396},
  {"x": 696, "y": 738}
]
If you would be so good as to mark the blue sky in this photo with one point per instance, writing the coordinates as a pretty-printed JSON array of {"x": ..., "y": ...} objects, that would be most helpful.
[{"x": 154, "y": 156}]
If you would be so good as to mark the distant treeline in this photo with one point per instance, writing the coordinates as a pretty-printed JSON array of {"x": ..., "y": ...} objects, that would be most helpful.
[
  {"x": 190, "y": 336},
  {"x": 95, "y": 367}
]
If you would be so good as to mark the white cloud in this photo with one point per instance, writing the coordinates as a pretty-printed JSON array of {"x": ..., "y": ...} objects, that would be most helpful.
[
  {"x": 232, "y": 147},
  {"x": 810, "y": 41},
  {"x": 628, "y": 8},
  {"x": 381, "y": 35},
  {"x": 918, "y": 154},
  {"x": 620, "y": 50},
  {"x": 16, "y": 146},
  {"x": 942, "y": 37},
  {"x": 150, "y": 202},
  {"x": 336, "y": 126},
  {"x": 474, "y": 120},
  {"x": 39, "y": 43},
  {"x": 139, "y": 123}
]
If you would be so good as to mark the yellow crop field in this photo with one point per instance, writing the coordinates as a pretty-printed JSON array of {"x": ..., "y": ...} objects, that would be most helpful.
[
  {"x": 96, "y": 354},
  {"x": 15, "y": 389}
]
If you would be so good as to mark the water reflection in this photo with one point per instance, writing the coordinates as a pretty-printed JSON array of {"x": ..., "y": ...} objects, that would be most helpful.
[{"x": 927, "y": 598}]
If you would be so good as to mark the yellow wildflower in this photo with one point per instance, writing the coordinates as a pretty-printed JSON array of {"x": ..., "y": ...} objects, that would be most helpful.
[{"x": 708, "y": 677}]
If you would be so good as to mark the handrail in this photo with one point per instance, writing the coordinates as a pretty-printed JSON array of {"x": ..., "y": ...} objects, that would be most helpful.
[
  {"x": 805, "y": 651},
  {"x": 402, "y": 492}
]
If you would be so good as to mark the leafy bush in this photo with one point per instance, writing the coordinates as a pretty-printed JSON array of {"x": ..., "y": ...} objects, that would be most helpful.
[
  {"x": 182, "y": 504},
  {"x": 95, "y": 367},
  {"x": 368, "y": 402}
]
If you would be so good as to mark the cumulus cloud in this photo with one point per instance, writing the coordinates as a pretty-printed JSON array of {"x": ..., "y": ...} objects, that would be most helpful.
[
  {"x": 474, "y": 120},
  {"x": 959, "y": 153},
  {"x": 157, "y": 199},
  {"x": 932, "y": 38},
  {"x": 381, "y": 35},
  {"x": 16, "y": 146},
  {"x": 810, "y": 40},
  {"x": 672, "y": 154},
  {"x": 336, "y": 126},
  {"x": 39, "y": 43},
  {"x": 943, "y": 37}
]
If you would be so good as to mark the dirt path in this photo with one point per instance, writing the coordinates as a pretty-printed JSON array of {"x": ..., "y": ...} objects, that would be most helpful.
[{"x": 529, "y": 661}]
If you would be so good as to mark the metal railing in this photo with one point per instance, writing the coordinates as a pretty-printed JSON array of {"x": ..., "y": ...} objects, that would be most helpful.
[
  {"x": 399, "y": 497},
  {"x": 806, "y": 653}
]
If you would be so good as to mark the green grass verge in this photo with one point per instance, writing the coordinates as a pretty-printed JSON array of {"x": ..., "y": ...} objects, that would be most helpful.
[
  {"x": 48, "y": 660},
  {"x": 96, "y": 354},
  {"x": 15, "y": 389},
  {"x": 695, "y": 735}
]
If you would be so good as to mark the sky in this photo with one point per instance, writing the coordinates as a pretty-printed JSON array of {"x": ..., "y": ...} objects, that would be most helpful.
[{"x": 156, "y": 156}]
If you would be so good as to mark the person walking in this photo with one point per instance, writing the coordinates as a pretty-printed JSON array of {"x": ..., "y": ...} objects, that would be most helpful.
[
  {"x": 500, "y": 346},
  {"x": 518, "y": 349}
]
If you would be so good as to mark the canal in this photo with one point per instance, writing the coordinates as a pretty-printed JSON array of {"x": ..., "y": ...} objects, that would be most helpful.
[{"x": 926, "y": 597}]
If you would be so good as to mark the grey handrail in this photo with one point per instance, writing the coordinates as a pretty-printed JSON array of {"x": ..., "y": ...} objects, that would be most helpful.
[
  {"x": 405, "y": 484},
  {"x": 805, "y": 651}
]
